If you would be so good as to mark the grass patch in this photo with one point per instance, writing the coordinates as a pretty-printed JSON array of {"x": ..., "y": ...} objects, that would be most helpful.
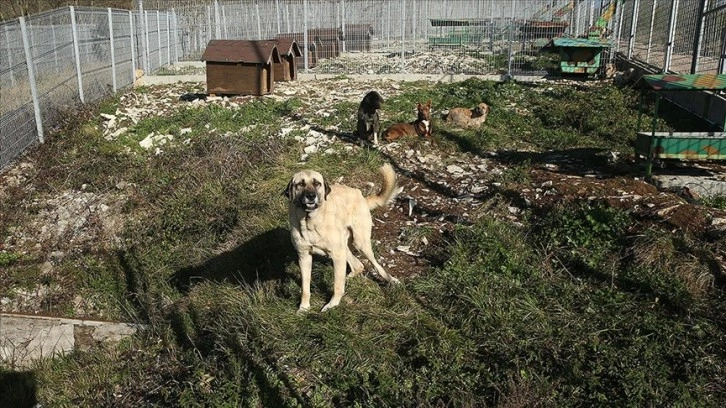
[
  {"x": 578, "y": 304},
  {"x": 715, "y": 202}
]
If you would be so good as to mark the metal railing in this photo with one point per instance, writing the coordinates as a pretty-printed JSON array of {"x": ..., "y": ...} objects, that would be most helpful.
[{"x": 52, "y": 62}]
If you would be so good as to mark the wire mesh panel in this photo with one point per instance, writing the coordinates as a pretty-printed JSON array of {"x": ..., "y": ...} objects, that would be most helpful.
[
  {"x": 17, "y": 123},
  {"x": 94, "y": 45},
  {"x": 686, "y": 23},
  {"x": 153, "y": 35},
  {"x": 122, "y": 46},
  {"x": 55, "y": 65},
  {"x": 713, "y": 39}
]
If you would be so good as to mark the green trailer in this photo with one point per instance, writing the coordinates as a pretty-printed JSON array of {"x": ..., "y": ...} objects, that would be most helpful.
[{"x": 654, "y": 145}]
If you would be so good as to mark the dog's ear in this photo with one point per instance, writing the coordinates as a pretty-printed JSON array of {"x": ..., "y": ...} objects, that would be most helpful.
[
  {"x": 287, "y": 192},
  {"x": 428, "y": 104},
  {"x": 327, "y": 188}
]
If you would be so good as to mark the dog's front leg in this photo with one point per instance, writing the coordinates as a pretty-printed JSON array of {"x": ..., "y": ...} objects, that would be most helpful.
[
  {"x": 305, "y": 260},
  {"x": 339, "y": 263}
]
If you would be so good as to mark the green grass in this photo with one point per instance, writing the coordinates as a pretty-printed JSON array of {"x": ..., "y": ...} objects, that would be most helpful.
[
  {"x": 578, "y": 304},
  {"x": 715, "y": 202}
]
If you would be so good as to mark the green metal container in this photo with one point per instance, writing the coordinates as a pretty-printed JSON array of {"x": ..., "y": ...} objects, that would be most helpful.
[
  {"x": 580, "y": 55},
  {"x": 681, "y": 145}
]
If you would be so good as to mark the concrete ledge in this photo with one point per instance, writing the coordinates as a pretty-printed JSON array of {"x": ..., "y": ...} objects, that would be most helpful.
[
  {"x": 700, "y": 185},
  {"x": 26, "y": 338}
]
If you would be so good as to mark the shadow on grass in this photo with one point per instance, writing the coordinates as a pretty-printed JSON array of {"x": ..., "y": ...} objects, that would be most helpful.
[
  {"x": 259, "y": 259},
  {"x": 17, "y": 389}
]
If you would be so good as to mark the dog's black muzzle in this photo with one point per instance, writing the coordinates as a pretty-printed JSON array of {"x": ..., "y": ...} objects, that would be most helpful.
[{"x": 309, "y": 200}]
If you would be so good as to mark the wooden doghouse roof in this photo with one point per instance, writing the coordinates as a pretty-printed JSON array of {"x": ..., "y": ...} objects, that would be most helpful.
[
  {"x": 288, "y": 46},
  {"x": 245, "y": 51}
]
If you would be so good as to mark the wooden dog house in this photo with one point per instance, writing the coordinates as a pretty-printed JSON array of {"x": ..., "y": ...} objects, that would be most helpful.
[
  {"x": 327, "y": 41},
  {"x": 290, "y": 53},
  {"x": 580, "y": 55},
  {"x": 357, "y": 37},
  {"x": 299, "y": 38},
  {"x": 240, "y": 67}
]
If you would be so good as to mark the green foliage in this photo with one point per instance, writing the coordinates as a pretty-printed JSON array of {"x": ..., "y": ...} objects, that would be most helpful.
[
  {"x": 590, "y": 233},
  {"x": 517, "y": 175},
  {"x": 549, "y": 61},
  {"x": 718, "y": 201},
  {"x": 566, "y": 308},
  {"x": 8, "y": 258}
]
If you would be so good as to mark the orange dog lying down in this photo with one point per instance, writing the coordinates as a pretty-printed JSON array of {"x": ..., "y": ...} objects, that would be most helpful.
[
  {"x": 468, "y": 118},
  {"x": 420, "y": 127}
]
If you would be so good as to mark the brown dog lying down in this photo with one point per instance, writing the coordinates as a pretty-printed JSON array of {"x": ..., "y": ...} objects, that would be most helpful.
[
  {"x": 468, "y": 118},
  {"x": 420, "y": 127}
]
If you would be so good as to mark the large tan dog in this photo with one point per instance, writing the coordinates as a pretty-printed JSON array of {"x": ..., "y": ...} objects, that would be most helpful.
[{"x": 325, "y": 219}]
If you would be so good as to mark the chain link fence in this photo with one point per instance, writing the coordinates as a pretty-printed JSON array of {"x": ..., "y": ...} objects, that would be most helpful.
[
  {"x": 54, "y": 61},
  {"x": 675, "y": 35},
  {"x": 401, "y": 36},
  {"x": 463, "y": 36},
  {"x": 69, "y": 56}
]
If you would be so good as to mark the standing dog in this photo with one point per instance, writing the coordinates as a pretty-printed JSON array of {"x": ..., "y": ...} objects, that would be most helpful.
[
  {"x": 369, "y": 126},
  {"x": 325, "y": 219},
  {"x": 468, "y": 118},
  {"x": 421, "y": 126}
]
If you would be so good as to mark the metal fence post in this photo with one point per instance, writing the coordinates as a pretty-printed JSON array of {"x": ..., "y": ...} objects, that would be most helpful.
[
  {"x": 224, "y": 24},
  {"x": 619, "y": 34},
  {"x": 176, "y": 35},
  {"x": 671, "y": 36},
  {"x": 633, "y": 28},
  {"x": 510, "y": 56},
  {"x": 158, "y": 37},
  {"x": 113, "y": 52},
  {"x": 132, "y": 39},
  {"x": 650, "y": 35},
  {"x": 217, "y": 26},
  {"x": 414, "y": 14},
  {"x": 76, "y": 50},
  {"x": 31, "y": 79},
  {"x": 403, "y": 36},
  {"x": 168, "y": 39},
  {"x": 147, "y": 46},
  {"x": 388, "y": 24},
  {"x": 55, "y": 47},
  {"x": 259, "y": 22},
  {"x": 10, "y": 55},
  {"x": 144, "y": 38},
  {"x": 722, "y": 60},
  {"x": 699, "y": 36},
  {"x": 209, "y": 25},
  {"x": 305, "y": 33},
  {"x": 277, "y": 14},
  {"x": 342, "y": 23}
]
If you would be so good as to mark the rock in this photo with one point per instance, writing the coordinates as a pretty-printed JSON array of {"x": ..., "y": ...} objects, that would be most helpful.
[{"x": 454, "y": 169}]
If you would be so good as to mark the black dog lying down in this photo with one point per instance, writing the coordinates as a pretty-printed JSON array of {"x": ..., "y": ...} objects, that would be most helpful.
[{"x": 369, "y": 126}]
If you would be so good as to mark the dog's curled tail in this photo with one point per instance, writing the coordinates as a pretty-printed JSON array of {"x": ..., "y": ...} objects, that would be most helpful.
[{"x": 388, "y": 191}]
